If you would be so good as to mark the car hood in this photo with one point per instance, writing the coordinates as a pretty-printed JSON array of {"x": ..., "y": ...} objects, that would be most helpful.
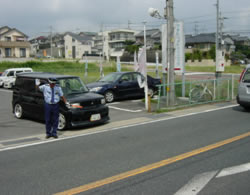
[
  {"x": 97, "y": 84},
  {"x": 83, "y": 97}
]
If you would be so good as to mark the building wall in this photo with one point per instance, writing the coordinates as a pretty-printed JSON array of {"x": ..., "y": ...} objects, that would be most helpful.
[
  {"x": 16, "y": 42},
  {"x": 80, "y": 49}
]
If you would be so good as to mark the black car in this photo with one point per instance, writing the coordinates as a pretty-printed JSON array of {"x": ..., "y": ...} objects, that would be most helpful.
[
  {"x": 119, "y": 85},
  {"x": 84, "y": 108}
]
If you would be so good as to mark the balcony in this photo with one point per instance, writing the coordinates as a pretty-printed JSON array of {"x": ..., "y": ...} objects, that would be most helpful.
[{"x": 13, "y": 44}]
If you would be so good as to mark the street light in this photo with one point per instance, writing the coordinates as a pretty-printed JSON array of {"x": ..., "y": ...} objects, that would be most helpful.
[
  {"x": 156, "y": 14},
  {"x": 169, "y": 16}
]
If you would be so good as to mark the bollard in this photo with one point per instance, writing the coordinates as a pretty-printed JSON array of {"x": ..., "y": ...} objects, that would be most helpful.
[{"x": 149, "y": 103}]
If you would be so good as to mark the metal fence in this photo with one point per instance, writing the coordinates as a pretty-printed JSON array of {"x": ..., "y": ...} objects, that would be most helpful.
[{"x": 199, "y": 92}]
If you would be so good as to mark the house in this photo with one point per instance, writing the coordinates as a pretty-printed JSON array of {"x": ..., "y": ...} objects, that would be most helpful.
[
  {"x": 153, "y": 37},
  {"x": 206, "y": 41},
  {"x": 77, "y": 46},
  {"x": 117, "y": 41},
  {"x": 38, "y": 45},
  {"x": 41, "y": 46},
  {"x": 13, "y": 43},
  {"x": 241, "y": 40}
]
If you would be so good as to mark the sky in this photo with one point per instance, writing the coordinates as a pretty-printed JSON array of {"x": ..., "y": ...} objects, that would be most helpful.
[{"x": 35, "y": 17}]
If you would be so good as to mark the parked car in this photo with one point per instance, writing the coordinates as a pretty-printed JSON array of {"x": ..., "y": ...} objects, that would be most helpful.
[
  {"x": 84, "y": 108},
  {"x": 8, "y": 77},
  {"x": 243, "y": 96},
  {"x": 120, "y": 85}
]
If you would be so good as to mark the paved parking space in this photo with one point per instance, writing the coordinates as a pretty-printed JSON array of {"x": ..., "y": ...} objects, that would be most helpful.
[{"x": 14, "y": 130}]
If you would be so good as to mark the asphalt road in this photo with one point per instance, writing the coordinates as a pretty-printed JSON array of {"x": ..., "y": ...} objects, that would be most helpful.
[{"x": 54, "y": 166}]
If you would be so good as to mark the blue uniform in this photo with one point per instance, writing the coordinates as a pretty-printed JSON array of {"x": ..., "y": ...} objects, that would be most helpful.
[{"x": 51, "y": 98}]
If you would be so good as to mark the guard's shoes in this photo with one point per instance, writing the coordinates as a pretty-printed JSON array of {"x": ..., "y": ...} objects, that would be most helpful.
[
  {"x": 48, "y": 136},
  {"x": 55, "y": 136}
]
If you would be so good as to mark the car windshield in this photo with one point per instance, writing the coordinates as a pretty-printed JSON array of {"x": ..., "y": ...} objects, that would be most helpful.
[
  {"x": 72, "y": 86},
  {"x": 246, "y": 78},
  {"x": 5, "y": 73},
  {"x": 110, "y": 78}
]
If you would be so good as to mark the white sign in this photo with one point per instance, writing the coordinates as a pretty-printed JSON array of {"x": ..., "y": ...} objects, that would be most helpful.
[
  {"x": 179, "y": 45},
  {"x": 220, "y": 62}
]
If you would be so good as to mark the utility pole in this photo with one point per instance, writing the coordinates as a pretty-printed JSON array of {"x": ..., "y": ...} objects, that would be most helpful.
[
  {"x": 170, "y": 52},
  {"x": 217, "y": 48},
  {"x": 196, "y": 29},
  {"x": 220, "y": 56},
  {"x": 145, "y": 68},
  {"x": 51, "y": 52}
]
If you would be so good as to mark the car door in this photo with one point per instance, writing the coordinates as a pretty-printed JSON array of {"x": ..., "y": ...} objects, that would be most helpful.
[
  {"x": 125, "y": 86},
  {"x": 244, "y": 87},
  {"x": 138, "y": 91}
]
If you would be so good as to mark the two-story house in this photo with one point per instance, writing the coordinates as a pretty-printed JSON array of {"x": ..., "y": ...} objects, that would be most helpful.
[
  {"x": 117, "y": 41},
  {"x": 13, "y": 43},
  {"x": 153, "y": 37},
  {"x": 76, "y": 46}
]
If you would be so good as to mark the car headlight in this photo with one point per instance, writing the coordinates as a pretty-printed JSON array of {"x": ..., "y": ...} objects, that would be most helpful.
[
  {"x": 95, "y": 89},
  {"x": 74, "y": 105},
  {"x": 103, "y": 101}
]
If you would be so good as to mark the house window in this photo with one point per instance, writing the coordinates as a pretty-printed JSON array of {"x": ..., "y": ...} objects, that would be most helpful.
[
  {"x": 7, "y": 52},
  {"x": 22, "y": 52},
  {"x": 7, "y": 38}
]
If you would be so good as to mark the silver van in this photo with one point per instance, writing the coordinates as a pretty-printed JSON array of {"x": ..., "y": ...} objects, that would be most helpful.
[{"x": 243, "y": 96}]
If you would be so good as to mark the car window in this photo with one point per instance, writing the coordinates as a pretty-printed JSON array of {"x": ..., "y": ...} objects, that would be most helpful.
[
  {"x": 72, "y": 86},
  {"x": 127, "y": 77},
  {"x": 29, "y": 85},
  {"x": 110, "y": 78},
  {"x": 246, "y": 78},
  {"x": 18, "y": 71},
  {"x": 11, "y": 73}
]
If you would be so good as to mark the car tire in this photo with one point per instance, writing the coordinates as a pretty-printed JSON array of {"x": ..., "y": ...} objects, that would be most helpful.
[
  {"x": 109, "y": 96},
  {"x": 18, "y": 111},
  {"x": 62, "y": 122}
]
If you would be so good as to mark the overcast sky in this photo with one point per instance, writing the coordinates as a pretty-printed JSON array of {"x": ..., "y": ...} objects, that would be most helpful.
[{"x": 34, "y": 17}]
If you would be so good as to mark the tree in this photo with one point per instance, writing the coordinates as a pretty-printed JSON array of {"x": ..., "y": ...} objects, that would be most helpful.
[{"x": 130, "y": 47}]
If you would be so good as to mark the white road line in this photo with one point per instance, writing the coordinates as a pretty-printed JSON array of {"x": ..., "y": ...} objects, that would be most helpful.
[
  {"x": 136, "y": 101},
  {"x": 113, "y": 129},
  {"x": 196, "y": 184},
  {"x": 122, "y": 109},
  {"x": 234, "y": 170},
  {"x": 114, "y": 103}
]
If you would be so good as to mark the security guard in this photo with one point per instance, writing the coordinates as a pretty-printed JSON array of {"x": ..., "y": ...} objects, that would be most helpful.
[{"x": 52, "y": 94}]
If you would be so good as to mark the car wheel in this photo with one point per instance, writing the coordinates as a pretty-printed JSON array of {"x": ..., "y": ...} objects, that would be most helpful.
[
  {"x": 109, "y": 96},
  {"x": 62, "y": 122},
  {"x": 151, "y": 92},
  {"x": 18, "y": 111}
]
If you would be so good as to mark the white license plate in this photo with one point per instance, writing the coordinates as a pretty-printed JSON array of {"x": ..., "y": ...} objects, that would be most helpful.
[{"x": 95, "y": 117}]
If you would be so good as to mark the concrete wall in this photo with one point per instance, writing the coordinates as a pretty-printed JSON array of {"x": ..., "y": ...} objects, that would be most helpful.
[{"x": 205, "y": 63}]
